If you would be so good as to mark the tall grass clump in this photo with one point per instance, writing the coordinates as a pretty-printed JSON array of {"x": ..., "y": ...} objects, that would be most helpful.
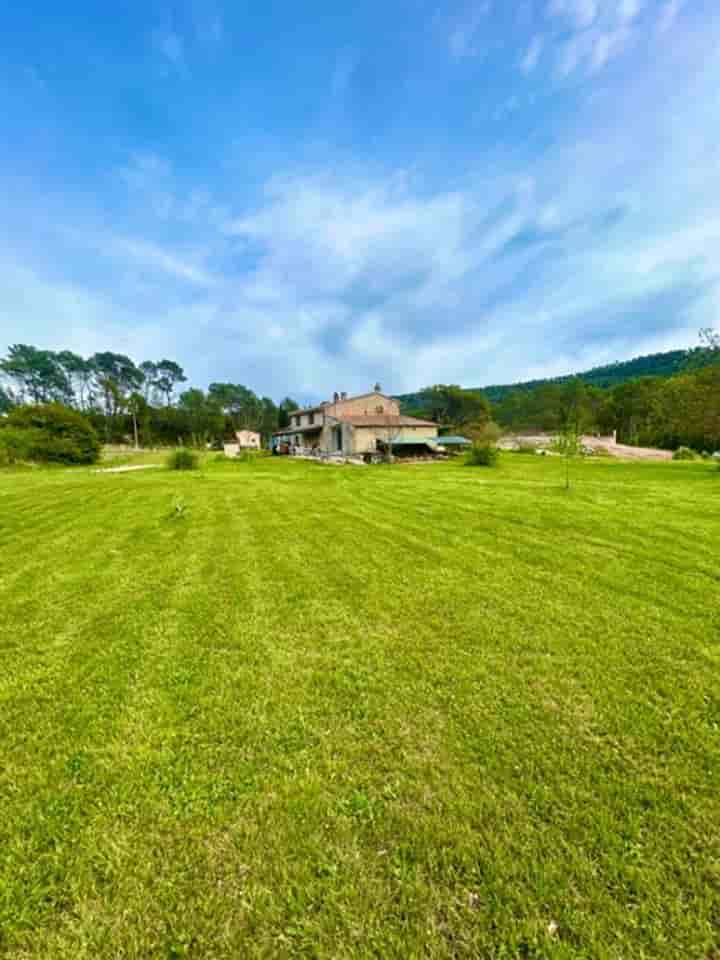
[
  {"x": 684, "y": 453},
  {"x": 183, "y": 459},
  {"x": 484, "y": 451},
  {"x": 482, "y": 455}
]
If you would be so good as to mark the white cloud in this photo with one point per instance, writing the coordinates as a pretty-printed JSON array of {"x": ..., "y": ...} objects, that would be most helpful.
[
  {"x": 81, "y": 320},
  {"x": 682, "y": 247},
  {"x": 532, "y": 54},
  {"x": 330, "y": 234},
  {"x": 337, "y": 278}
]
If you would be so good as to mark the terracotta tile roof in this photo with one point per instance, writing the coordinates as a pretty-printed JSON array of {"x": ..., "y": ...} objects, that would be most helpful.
[
  {"x": 319, "y": 407},
  {"x": 361, "y": 420},
  {"x": 384, "y": 420}
]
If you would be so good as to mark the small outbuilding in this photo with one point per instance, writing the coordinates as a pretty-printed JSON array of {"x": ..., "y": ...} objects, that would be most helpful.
[
  {"x": 244, "y": 440},
  {"x": 248, "y": 439}
]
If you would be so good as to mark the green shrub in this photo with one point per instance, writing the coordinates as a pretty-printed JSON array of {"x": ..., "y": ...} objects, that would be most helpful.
[
  {"x": 183, "y": 459},
  {"x": 684, "y": 453},
  {"x": 16, "y": 444},
  {"x": 482, "y": 455},
  {"x": 487, "y": 434},
  {"x": 484, "y": 451},
  {"x": 49, "y": 433}
]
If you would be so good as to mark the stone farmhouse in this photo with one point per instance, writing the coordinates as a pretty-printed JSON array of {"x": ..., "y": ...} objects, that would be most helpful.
[{"x": 354, "y": 425}]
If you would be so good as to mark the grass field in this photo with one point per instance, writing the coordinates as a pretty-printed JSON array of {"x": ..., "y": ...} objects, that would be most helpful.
[{"x": 282, "y": 709}]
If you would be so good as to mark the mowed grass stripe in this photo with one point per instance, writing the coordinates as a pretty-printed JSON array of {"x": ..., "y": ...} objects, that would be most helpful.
[{"x": 341, "y": 713}]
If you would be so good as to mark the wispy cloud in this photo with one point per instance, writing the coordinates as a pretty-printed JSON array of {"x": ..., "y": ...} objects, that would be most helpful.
[
  {"x": 607, "y": 45},
  {"x": 139, "y": 255},
  {"x": 580, "y": 12},
  {"x": 628, "y": 10},
  {"x": 151, "y": 256},
  {"x": 463, "y": 39},
  {"x": 669, "y": 13},
  {"x": 169, "y": 44},
  {"x": 532, "y": 54},
  {"x": 148, "y": 176},
  {"x": 594, "y": 48},
  {"x": 597, "y": 245},
  {"x": 151, "y": 182}
]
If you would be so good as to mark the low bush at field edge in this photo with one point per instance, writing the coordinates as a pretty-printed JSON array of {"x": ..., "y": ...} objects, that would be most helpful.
[{"x": 183, "y": 459}]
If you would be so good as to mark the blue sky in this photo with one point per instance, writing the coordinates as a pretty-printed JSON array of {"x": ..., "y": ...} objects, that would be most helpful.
[{"x": 309, "y": 197}]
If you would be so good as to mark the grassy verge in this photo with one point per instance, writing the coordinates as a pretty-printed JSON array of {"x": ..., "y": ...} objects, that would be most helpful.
[{"x": 342, "y": 712}]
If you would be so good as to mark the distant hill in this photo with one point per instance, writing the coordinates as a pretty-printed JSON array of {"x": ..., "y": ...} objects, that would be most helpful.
[{"x": 610, "y": 375}]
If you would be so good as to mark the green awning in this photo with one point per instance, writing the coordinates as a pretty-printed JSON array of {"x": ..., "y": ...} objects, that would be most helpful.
[{"x": 452, "y": 441}]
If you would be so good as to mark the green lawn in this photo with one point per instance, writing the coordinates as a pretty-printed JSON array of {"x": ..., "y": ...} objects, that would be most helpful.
[{"x": 283, "y": 709}]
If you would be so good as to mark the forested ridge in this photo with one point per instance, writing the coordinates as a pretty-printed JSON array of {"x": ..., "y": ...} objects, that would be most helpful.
[
  {"x": 609, "y": 375},
  {"x": 663, "y": 400}
]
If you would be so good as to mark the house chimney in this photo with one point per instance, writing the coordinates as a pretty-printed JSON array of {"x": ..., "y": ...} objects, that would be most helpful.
[
  {"x": 343, "y": 395},
  {"x": 336, "y": 397}
]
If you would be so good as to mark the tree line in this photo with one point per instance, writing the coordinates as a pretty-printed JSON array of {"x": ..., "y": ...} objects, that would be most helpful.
[
  {"x": 143, "y": 403},
  {"x": 655, "y": 411},
  {"x": 682, "y": 409}
]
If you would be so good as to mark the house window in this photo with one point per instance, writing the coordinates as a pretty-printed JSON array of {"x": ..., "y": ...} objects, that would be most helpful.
[
  {"x": 311, "y": 418},
  {"x": 297, "y": 421},
  {"x": 380, "y": 409}
]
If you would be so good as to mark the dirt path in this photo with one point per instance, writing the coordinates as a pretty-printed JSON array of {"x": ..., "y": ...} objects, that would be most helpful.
[
  {"x": 626, "y": 452},
  {"x": 128, "y": 468},
  {"x": 621, "y": 450}
]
